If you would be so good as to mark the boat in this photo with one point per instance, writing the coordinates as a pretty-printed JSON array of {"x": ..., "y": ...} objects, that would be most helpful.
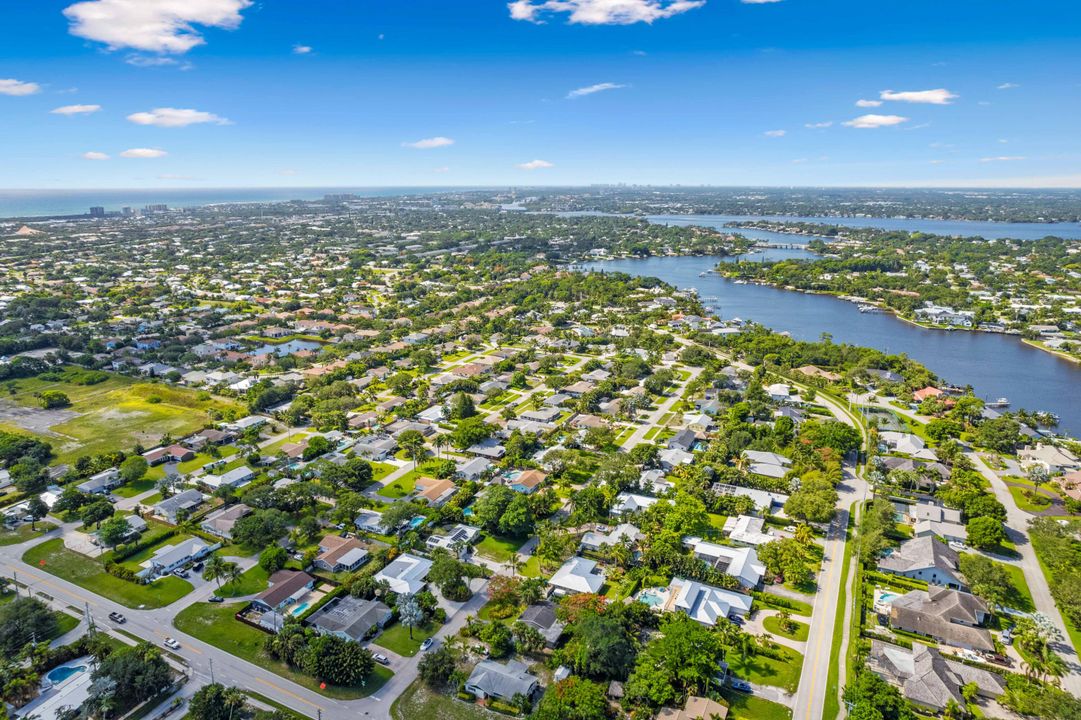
[
  {"x": 1000, "y": 403},
  {"x": 869, "y": 309}
]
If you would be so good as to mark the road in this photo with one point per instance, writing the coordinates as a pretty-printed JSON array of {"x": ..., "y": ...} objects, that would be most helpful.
[{"x": 206, "y": 660}]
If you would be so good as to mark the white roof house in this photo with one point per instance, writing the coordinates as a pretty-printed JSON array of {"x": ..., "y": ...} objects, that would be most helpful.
[
  {"x": 595, "y": 540},
  {"x": 739, "y": 562},
  {"x": 577, "y": 575},
  {"x": 406, "y": 574},
  {"x": 233, "y": 478},
  {"x": 747, "y": 530},
  {"x": 902, "y": 442},
  {"x": 705, "y": 603},
  {"x": 630, "y": 503}
]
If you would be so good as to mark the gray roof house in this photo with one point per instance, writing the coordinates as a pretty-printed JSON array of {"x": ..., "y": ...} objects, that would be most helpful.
[
  {"x": 542, "y": 618},
  {"x": 221, "y": 521},
  {"x": 350, "y": 618},
  {"x": 946, "y": 615},
  {"x": 928, "y": 679},
  {"x": 101, "y": 483},
  {"x": 489, "y": 679},
  {"x": 927, "y": 559},
  {"x": 187, "y": 501}
]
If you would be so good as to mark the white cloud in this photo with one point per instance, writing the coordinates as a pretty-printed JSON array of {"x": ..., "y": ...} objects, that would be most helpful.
[
  {"x": 429, "y": 143},
  {"x": 601, "y": 12},
  {"x": 1008, "y": 86},
  {"x": 868, "y": 103},
  {"x": 443, "y": 169},
  {"x": 161, "y": 26},
  {"x": 938, "y": 96},
  {"x": 76, "y": 110},
  {"x": 875, "y": 121},
  {"x": 818, "y": 125},
  {"x": 95, "y": 155},
  {"x": 175, "y": 117},
  {"x": 11, "y": 86},
  {"x": 775, "y": 133},
  {"x": 535, "y": 165},
  {"x": 301, "y": 49},
  {"x": 155, "y": 61},
  {"x": 591, "y": 89},
  {"x": 1002, "y": 158},
  {"x": 288, "y": 172},
  {"x": 143, "y": 153}
]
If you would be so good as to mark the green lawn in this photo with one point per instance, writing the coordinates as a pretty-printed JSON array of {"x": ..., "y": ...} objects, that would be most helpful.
[
  {"x": 252, "y": 582},
  {"x": 498, "y": 548},
  {"x": 396, "y": 638},
  {"x": 135, "y": 562},
  {"x": 24, "y": 533},
  {"x": 531, "y": 567},
  {"x": 1018, "y": 597},
  {"x": 796, "y": 607},
  {"x": 1033, "y": 503},
  {"x": 402, "y": 486},
  {"x": 420, "y": 703},
  {"x": 215, "y": 624},
  {"x": 768, "y": 671},
  {"x": 138, "y": 487},
  {"x": 773, "y": 625},
  {"x": 119, "y": 413},
  {"x": 52, "y": 557},
  {"x": 743, "y": 706},
  {"x": 381, "y": 470},
  {"x": 64, "y": 623}
]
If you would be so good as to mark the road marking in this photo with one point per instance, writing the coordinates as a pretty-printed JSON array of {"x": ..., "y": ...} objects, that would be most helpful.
[
  {"x": 289, "y": 693},
  {"x": 818, "y": 645}
]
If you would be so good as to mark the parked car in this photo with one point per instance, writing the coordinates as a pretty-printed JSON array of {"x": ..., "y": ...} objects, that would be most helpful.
[
  {"x": 198, "y": 567},
  {"x": 180, "y": 573},
  {"x": 428, "y": 642},
  {"x": 117, "y": 618},
  {"x": 736, "y": 619},
  {"x": 216, "y": 599},
  {"x": 172, "y": 644},
  {"x": 381, "y": 658},
  {"x": 741, "y": 685}
]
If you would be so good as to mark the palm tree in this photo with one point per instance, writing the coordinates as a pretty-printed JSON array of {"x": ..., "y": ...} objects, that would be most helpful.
[
  {"x": 804, "y": 534},
  {"x": 233, "y": 571},
  {"x": 439, "y": 442},
  {"x": 215, "y": 569},
  {"x": 515, "y": 564}
]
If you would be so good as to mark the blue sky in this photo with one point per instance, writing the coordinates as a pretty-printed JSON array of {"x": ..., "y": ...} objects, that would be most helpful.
[{"x": 211, "y": 93}]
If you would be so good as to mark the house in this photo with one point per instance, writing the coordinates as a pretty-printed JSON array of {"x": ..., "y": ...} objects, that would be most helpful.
[
  {"x": 1053, "y": 459},
  {"x": 527, "y": 481},
  {"x": 817, "y": 372},
  {"x": 767, "y": 464},
  {"x": 173, "y": 453},
  {"x": 748, "y": 530},
  {"x": 136, "y": 527},
  {"x": 779, "y": 392},
  {"x": 376, "y": 447},
  {"x": 458, "y": 536},
  {"x": 683, "y": 440},
  {"x": 475, "y": 468},
  {"x": 246, "y": 423},
  {"x": 928, "y": 679},
  {"x": 627, "y": 503},
  {"x": 183, "y": 502},
  {"x": 695, "y": 708},
  {"x": 762, "y": 499},
  {"x": 338, "y": 554},
  {"x": 541, "y": 617},
  {"x": 236, "y": 477},
  {"x": 577, "y": 575},
  {"x": 101, "y": 483},
  {"x": 435, "y": 491},
  {"x": 705, "y": 603},
  {"x": 171, "y": 557},
  {"x": 542, "y": 415},
  {"x": 926, "y": 559},
  {"x": 671, "y": 458},
  {"x": 901, "y": 442},
  {"x": 739, "y": 562},
  {"x": 596, "y": 540},
  {"x": 405, "y": 574},
  {"x": 925, "y": 393},
  {"x": 221, "y": 521},
  {"x": 489, "y": 448},
  {"x": 350, "y": 618},
  {"x": 286, "y": 588},
  {"x": 948, "y": 616},
  {"x": 371, "y": 521},
  {"x": 490, "y": 679}
]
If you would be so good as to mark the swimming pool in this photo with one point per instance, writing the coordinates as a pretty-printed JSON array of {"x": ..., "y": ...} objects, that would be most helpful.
[
  {"x": 299, "y": 609},
  {"x": 416, "y": 522},
  {"x": 60, "y": 674},
  {"x": 653, "y": 597}
]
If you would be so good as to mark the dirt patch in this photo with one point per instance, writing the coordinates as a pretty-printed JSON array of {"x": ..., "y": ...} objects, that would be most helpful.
[{"x": 35, "y": 420}]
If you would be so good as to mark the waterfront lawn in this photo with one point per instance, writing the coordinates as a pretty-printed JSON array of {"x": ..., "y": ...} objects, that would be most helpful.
[
  {"x": 24, "y": 533},
  {"x": 773, "y": 625},
  {"x": 783, "y": 673},
  {"x": 216, "y": 625},
  {"x": 420, "y": 703},
  {"x": 396, "y": 638},
  {"x": 86, "y": 572},
  {"x": 744, "y": 706},
  {"x": 499, "y": 547}
]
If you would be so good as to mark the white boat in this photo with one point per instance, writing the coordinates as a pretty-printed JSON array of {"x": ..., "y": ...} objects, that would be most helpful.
[{"x": 1000, "y": 403}]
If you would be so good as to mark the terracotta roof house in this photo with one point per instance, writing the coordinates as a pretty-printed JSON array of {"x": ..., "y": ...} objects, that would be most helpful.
[
  {"x": 925, "y": 393},
  {"x": 696, "y": 708},
  {"x": 338, "y": 554},
  {"x": 435, "y": 491},
  {"x": 527, "y": 482}
]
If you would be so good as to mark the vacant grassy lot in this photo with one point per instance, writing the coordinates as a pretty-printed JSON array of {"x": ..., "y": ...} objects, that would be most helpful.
[
  {"x": 55, "y": 559},
  {"x": 117, "y": 414},
  {"x": 215, "y": 624},
  {"x": 783, "y": 673},
  {"x": 499, "y": 548},
  {"x": 420, "y": 703},
  {"x": 250, "y": 582},
  {"x": 396, "y": 638},
  {"x": 742, "y": 706}
]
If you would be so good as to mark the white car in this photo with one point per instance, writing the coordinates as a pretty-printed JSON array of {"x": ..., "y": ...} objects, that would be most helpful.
[{"x": 173, "y": 644}]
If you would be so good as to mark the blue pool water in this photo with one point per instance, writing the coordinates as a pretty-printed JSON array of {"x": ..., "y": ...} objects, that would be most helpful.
[
  {"x": 61, "y": 674},
  {"x": 299, "y": 609},
  {"x": 417, "y": 522},
  {"x": 467, "y": 511},
  {"x": 652, "y": 598}
]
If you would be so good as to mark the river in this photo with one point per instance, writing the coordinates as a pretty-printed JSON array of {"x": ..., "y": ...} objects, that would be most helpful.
[{"x": 995, "y": 365}]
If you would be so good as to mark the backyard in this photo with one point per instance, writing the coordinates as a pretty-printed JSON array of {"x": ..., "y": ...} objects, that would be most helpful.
[
  {"x": 55, "y": 559},
  {"x": 396, "y": 638}
]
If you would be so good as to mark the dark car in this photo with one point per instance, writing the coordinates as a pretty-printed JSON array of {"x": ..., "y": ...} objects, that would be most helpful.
[
  {"x": 741, "y": 685},
  {"x": 216, "y": 599},
  {"x": 197, "y": 567}
]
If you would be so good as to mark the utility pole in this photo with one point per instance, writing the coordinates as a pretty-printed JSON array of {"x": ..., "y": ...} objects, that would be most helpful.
[
  {"x": 89, "y": 618},
  {"x": 211, "y": 671}
]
